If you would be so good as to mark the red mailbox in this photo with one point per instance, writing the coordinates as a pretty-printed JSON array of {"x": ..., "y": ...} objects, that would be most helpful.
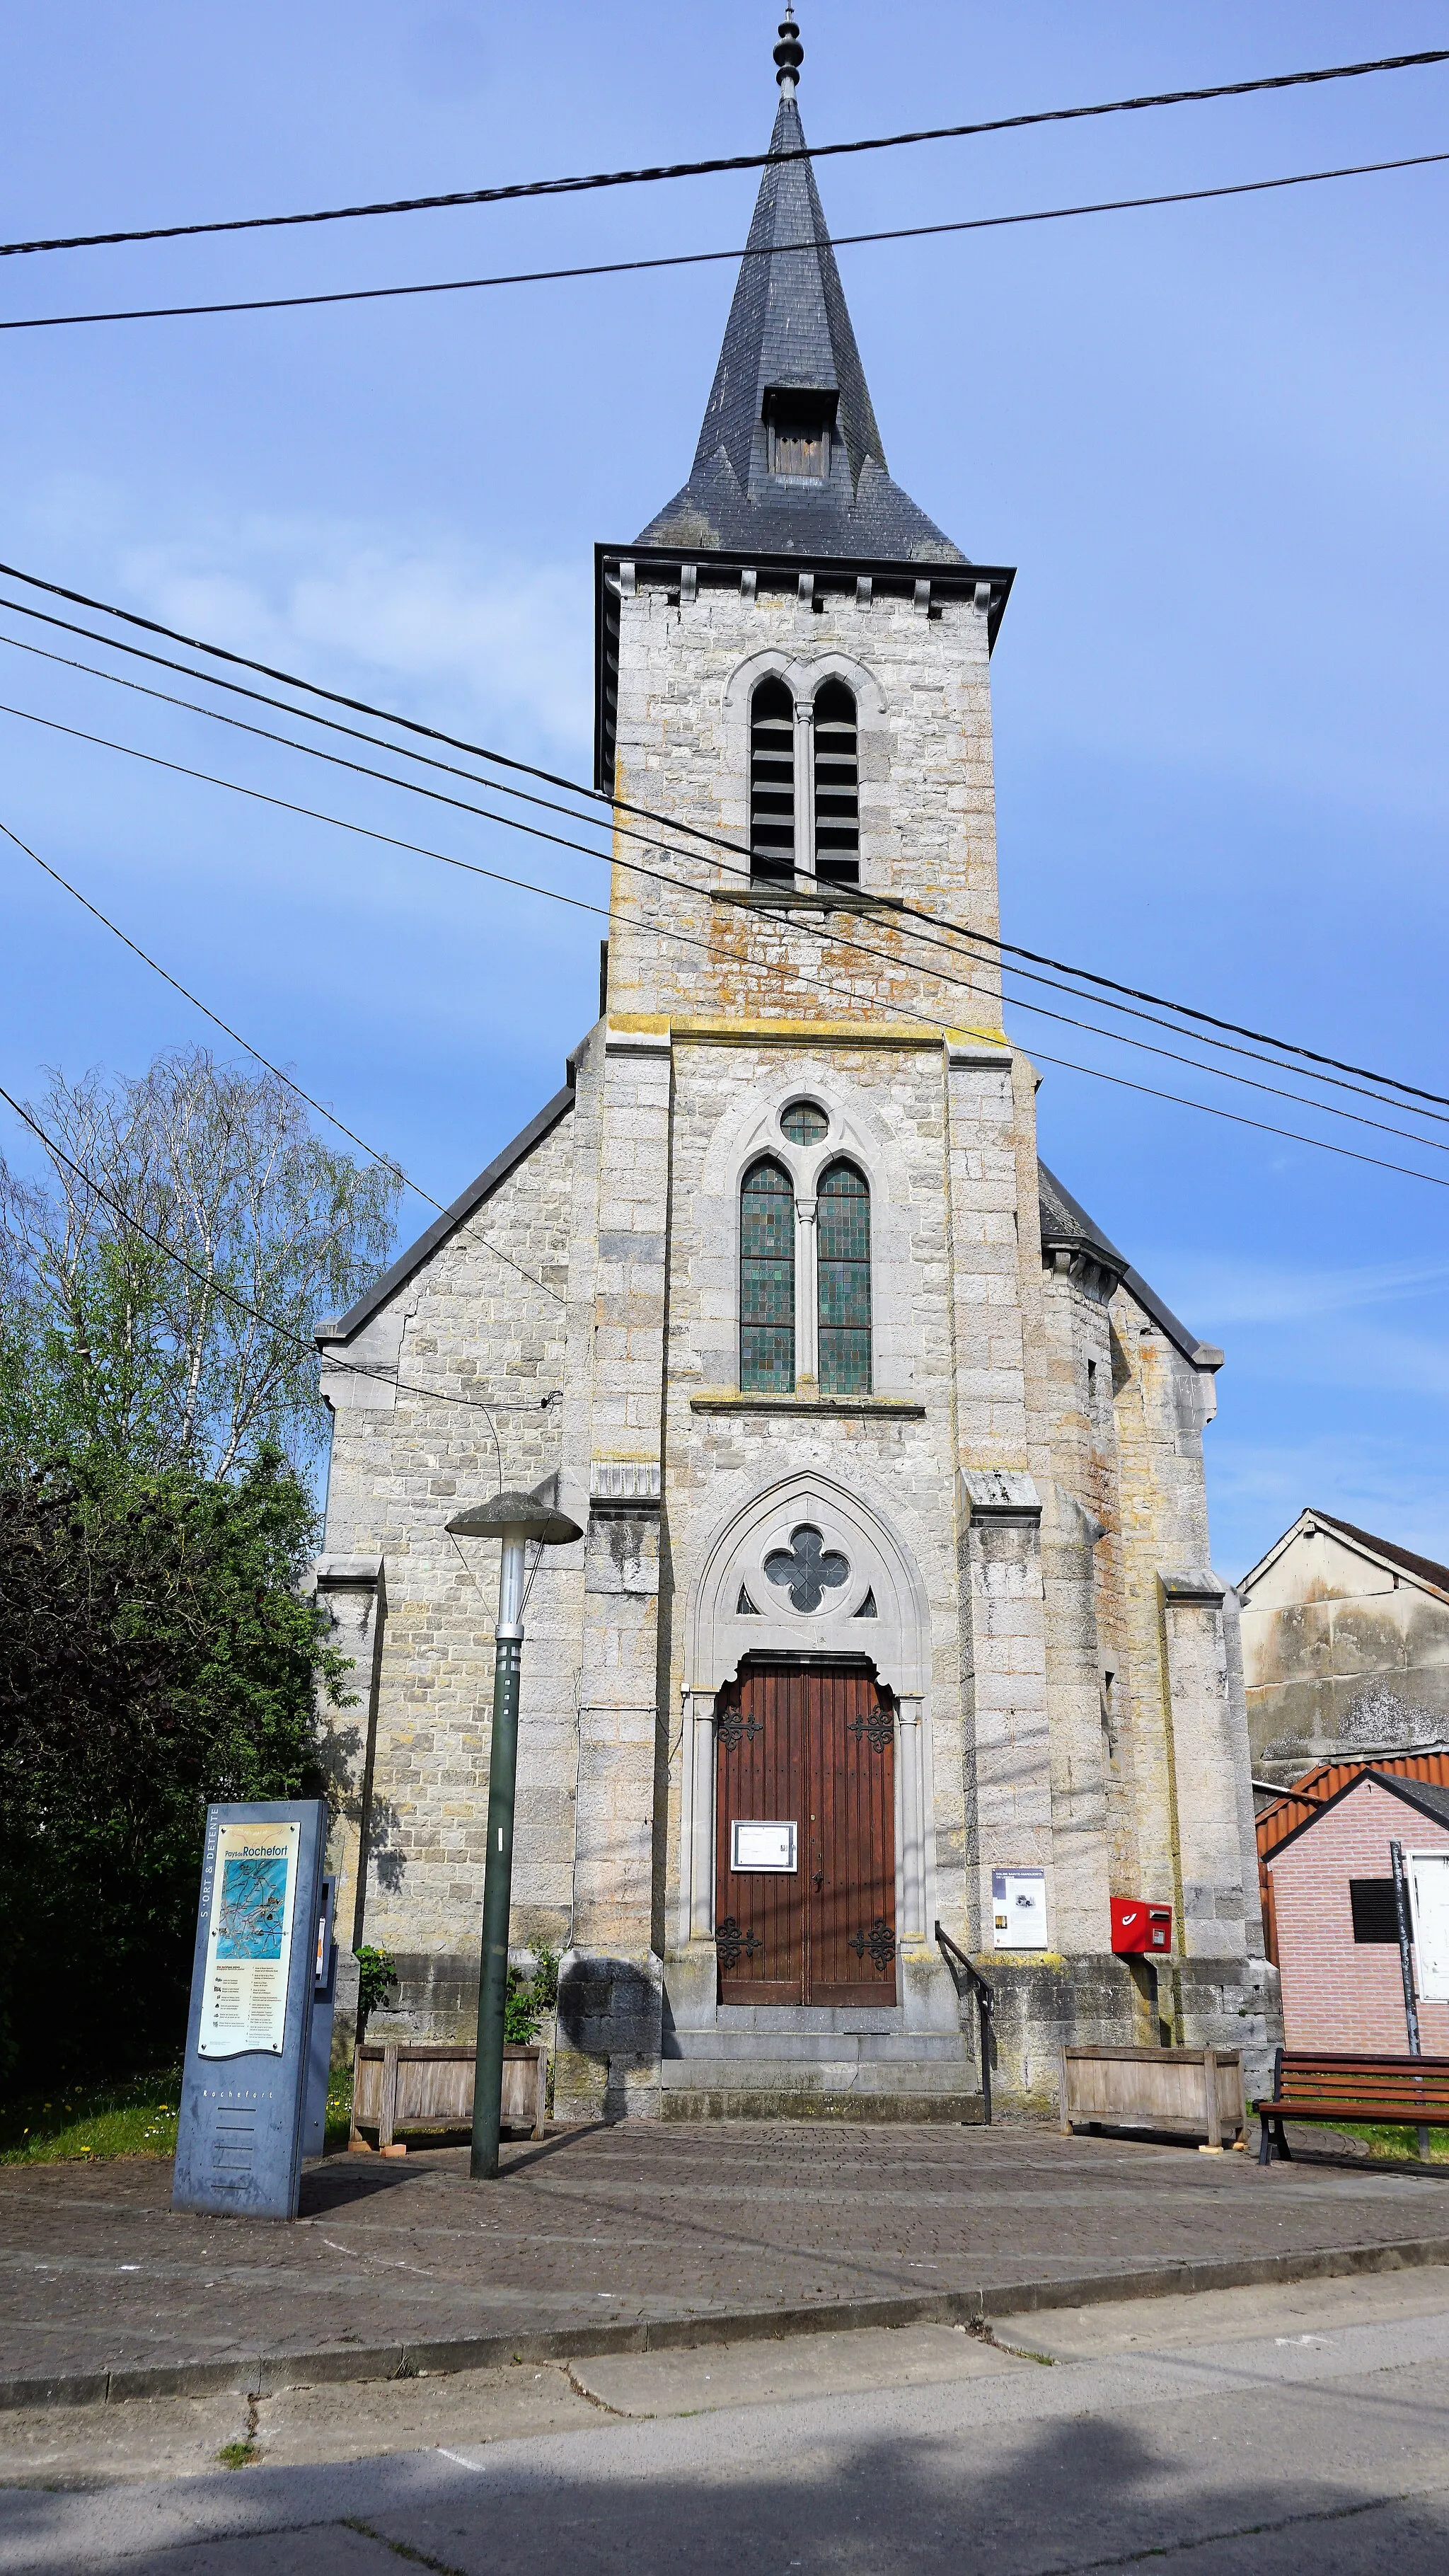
[{"x": 1138, "y": 1926}]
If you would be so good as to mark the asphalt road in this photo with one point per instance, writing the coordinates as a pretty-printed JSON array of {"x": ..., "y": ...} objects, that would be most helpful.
[{"x": 1239, "y": 2433}]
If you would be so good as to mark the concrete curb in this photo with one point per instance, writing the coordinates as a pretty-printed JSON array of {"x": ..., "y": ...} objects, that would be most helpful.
[{"x": 266, "y": 2374}]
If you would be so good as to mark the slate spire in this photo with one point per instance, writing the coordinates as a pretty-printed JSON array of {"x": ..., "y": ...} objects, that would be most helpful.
[{"x": 790, "y": 459}]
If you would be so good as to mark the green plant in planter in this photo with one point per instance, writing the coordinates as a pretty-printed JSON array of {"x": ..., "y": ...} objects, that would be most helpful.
[
  {"x": 530, "y": 1999},
  {"x": 377, "y": 1971}
]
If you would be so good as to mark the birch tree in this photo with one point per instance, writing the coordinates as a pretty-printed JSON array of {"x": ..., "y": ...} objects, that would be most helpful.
[{"x": 161, "y": 1280}]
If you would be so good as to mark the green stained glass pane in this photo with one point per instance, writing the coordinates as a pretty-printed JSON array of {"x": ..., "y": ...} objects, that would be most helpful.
[
  {"x": 804, "y": 1124},
  {"x": 767, "y": 1281},
  {"x": 843, "y": 1227}
]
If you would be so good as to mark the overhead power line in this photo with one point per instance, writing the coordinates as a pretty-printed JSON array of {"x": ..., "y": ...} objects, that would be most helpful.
[
  {"x": 714, "y": 841},
  {"x": 384, "y": 1162},
  {"x": 824, "y": 933},
  {"x": 840, "y": 992},
  {"x": 734, "y": 161},
  {"x": 704, "y": 258},
  {"x": 216, "y": 1288}
]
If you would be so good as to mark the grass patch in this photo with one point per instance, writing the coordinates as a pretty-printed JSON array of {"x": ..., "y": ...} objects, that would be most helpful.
[
  {"x": 1382, "y": 2138},
  {"x": 238, "y": 2455},
  {"x": 339, "y": 2108},
  {"x": 130, "y": 2116}
]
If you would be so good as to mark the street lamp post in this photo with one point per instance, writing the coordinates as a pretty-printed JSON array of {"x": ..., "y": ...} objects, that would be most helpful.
[{"x": 514, "y": 1519}]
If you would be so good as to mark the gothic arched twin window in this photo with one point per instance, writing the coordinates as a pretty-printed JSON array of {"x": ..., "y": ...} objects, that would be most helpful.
[
  {"x": 805, "y": 1304},
  {"x": 804, "y": 784}
]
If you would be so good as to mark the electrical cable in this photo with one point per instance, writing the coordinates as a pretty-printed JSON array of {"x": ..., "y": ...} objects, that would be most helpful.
[
  {"x": 823, "y": 932},
  {"x": 733, "y": 161},
  {"x": 704, "y": 258},
  {"x": 618, "y": 805},
  {"x": 228, "y": 1296},
  {"x": 384, "y": 1162},
  {"x": 682, "y": 885},
  {"x": 817, "y": 983}
]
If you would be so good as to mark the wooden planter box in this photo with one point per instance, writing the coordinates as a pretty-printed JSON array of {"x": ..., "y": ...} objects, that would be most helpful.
[
  {"x": 432, "y": 2088},
  {"x": 1187, "y": 2092}
]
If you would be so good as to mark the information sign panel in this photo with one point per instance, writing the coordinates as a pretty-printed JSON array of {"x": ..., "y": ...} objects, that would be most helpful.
[
  {"x": 249, "y": 1939},
  {"x": 1018, "y": 1909},
  {"x": 244, "y": 2082}
]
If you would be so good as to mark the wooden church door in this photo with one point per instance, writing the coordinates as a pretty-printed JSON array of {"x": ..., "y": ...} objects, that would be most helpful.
[{"x": 805, "y": 1913}]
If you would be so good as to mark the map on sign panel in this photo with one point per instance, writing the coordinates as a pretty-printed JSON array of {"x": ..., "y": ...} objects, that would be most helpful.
[{"x": 253, "y": 1907}]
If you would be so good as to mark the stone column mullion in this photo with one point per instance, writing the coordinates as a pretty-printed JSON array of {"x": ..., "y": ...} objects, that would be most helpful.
[
  {"x": 804, "y": 788},
  {"x": 807, "y": 1295}
]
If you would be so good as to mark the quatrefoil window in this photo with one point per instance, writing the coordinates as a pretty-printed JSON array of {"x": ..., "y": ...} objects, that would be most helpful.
[{"x": 808, "y": 1566}]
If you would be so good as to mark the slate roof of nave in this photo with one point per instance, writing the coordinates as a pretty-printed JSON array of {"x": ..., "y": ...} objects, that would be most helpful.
[
  {"x": 1063, "y": 1219},
  {"x": 789, "y": 331}
]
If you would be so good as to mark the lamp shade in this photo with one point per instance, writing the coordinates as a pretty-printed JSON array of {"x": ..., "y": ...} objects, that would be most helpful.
[{"x": 519, "y": 1516}]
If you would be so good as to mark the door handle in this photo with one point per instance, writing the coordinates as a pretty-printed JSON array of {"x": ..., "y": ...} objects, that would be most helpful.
[{"x": 819, "y": 1879}]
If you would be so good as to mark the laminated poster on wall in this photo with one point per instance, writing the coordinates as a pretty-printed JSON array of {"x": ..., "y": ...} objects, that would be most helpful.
[
  {"x": 249, "y": 1940},
  {"x": 1018, "y": 1909}
]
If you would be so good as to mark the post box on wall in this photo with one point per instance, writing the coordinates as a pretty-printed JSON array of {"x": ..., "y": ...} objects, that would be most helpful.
[{"x": 1138, "y": 1927}]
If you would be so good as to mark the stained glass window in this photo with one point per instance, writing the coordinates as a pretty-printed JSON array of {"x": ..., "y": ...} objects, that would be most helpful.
[
  {"x": 804, "y": 1124},
  {"x": 767, "y": 1281},
  {"x": 843, "y": 1226}
]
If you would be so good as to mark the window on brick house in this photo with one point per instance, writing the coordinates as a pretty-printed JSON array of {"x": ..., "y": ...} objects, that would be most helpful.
[
  {"x": 772, "y": 783},
  {"x": 837, "y": 786},
  {"x": 767, "y": 1281},
  {"x": 842, "y": 1223},
  {"x": 1375, "y": 1915}
]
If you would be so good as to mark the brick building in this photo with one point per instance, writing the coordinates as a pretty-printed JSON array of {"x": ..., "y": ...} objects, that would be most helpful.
[
  {"x": 890, "y": 1462},
  {"x": 1335, "y": 1928}
]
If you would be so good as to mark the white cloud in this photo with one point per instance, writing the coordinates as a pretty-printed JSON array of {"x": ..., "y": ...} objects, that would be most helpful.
[
  {"x": 1247, "y": 1292},
  {"x": 503, "y": 644}
]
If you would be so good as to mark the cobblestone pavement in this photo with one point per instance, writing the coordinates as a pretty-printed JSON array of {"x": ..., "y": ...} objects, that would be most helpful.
[{"x": 640, "y": 2222}]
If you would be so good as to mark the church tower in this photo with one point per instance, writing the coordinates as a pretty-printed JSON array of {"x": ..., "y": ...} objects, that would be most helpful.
[{"x": 894, "y": 1617}]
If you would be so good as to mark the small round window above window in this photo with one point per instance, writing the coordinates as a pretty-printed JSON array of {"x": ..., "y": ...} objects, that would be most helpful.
[{"x": 804, "y": 1124}]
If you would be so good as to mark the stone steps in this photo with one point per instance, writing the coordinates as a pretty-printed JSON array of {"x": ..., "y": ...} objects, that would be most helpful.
[{"x": 812, "y": 2048}]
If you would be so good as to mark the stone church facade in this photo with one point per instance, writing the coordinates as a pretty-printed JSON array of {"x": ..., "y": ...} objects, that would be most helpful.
[{"x": 894, "y": 1608}]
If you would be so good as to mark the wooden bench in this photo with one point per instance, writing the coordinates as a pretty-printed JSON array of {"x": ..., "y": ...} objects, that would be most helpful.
[
  {"x": 396, "y": 2087},
  {"x": 1313, "y": 2084}
]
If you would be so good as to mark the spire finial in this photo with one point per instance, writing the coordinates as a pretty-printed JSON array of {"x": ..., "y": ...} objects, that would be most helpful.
[{"x": 789, "y": 53}]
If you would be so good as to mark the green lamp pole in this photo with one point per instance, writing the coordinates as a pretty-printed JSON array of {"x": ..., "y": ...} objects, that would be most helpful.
[{"x": 515, "y": 1519}]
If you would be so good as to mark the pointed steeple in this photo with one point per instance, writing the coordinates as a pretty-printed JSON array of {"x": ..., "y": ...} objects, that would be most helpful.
[{"x": 790, "y": 460}]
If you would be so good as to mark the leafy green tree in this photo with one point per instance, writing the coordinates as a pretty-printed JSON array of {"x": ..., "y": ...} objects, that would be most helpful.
[
  {"x": 109, "y": 1341},
  {"x": 157, "y": 1648}
]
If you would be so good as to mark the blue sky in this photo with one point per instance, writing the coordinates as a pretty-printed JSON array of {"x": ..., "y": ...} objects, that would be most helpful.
[{"x": 1210, "y": 437}]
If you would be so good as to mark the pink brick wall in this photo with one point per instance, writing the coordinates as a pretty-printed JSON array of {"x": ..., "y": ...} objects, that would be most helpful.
[{"x": 1336, "y": 1992}]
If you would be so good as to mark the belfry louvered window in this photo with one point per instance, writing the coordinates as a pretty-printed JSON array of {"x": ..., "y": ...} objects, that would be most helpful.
[
  {"x": 837, "y": 787},
  {"x": 767, "y": 1280},
  {"x": 772, "y": 782},
  {"x": 843, "y": 1233}
]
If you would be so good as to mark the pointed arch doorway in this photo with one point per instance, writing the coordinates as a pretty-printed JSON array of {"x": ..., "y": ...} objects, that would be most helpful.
[{"x": 809, "y": 1916}]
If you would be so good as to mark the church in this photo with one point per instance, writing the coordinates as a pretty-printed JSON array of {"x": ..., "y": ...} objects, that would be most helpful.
[{"x": 891, "y": 1658}]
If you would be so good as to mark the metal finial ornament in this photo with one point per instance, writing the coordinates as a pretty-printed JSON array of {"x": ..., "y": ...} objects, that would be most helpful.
[{"x": 789, "y": 53}]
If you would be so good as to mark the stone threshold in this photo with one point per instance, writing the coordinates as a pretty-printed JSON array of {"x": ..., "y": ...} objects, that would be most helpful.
[
  {"x": 263, "y": 2374},
  {"x": 867, "y": 1408}
]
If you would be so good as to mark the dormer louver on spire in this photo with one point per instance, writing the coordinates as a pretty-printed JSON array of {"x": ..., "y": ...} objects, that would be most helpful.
[{"x": 790, "y": 459}]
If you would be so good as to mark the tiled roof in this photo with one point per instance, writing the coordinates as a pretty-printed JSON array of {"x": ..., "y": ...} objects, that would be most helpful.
[
  {"x": 789, "y": 331},
  {"x": 1423, "y": 1566}
]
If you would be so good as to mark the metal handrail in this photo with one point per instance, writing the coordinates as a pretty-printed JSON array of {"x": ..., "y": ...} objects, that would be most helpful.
[{"x": 985, "y": 2008}]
